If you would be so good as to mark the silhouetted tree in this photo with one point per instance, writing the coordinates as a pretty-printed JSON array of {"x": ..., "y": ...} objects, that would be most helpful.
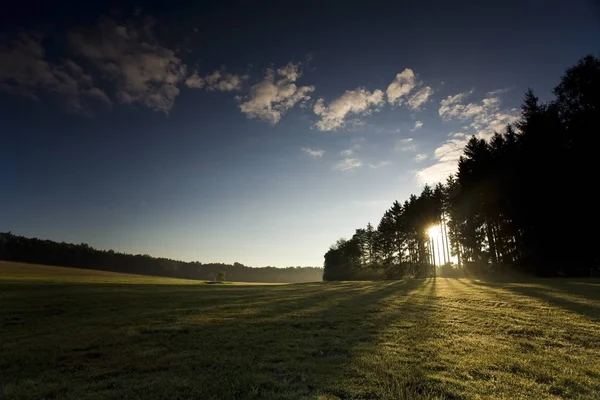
[
  {"x": 516, "y": 201},
  {"x": 32, "y": 250}
]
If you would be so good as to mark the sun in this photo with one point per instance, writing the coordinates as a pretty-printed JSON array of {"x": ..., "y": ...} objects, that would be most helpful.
[{"x": 434, "y": 232}]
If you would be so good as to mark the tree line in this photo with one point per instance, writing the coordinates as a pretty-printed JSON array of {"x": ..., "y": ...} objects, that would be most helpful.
[
  {"x": 48, "y": 252},
  {"x": 523, "y": 202}
]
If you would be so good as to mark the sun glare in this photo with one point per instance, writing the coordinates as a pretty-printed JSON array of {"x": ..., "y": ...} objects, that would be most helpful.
[{"x": 434, "y": 232}]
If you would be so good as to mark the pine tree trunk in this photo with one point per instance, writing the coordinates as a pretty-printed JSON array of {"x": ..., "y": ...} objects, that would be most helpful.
[
  {"x": 433, "y": 251},
  {"x": 492, "y": 244},
  {"x": 445, "y": 240}
]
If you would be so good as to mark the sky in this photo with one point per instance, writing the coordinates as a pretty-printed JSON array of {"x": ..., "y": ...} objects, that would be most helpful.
[{"x": 256, "y": 132}]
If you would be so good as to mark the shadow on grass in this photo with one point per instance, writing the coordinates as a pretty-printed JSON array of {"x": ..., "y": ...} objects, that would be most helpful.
[
  {"x": 334, "y": 344},
  {"x": 336, "y": 340},
  {"x": 568, "y": 295}
]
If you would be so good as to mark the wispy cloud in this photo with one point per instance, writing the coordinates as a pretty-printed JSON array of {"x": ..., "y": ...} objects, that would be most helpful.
[
  {"x": 379, "y": 164},
  {"x": 347, "y": 164},
  {"x": 24, "y": 71},
  {"x": 224, "y": 82},
  {"x": 313, "y": 153},
  {"x": 353, "y": 102},
  {"x": 420, "y": 98},
  {"x": 487, "y": 123},
  {"x": 450, "y": 107},
  {"x": 270, "y": 98},
  {"x": 421, "y": 157},
  {"x": 143, "y": 71},
  {"x": 125, "y": 56},
  {"x": 418, "y": 125},
  {"x": 360, "y": 101},
  {"x": 401, "y": 86},
  {"x": 499, "y": 92},
  {"x": 407, "y": 144},
  {"x": 446, "y": 157},
  {"x": 482, "y": 119},
  {"x": 347, "y": 152},
  {"x": 194, "y": 81}
]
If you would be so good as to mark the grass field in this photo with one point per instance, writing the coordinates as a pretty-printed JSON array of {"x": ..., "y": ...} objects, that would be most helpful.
[
  {"x": 132, "y": 338},
  {"x": 20, "y": 272}
]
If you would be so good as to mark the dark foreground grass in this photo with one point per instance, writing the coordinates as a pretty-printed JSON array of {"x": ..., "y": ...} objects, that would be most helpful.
[{"x": 433, "y": 338}]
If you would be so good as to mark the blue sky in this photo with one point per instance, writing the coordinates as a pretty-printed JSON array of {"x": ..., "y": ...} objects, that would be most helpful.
[{"x": 259, "y": 134}]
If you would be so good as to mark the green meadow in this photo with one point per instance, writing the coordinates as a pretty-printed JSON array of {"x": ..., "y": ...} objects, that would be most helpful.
[{"x": 79, "y": 334}]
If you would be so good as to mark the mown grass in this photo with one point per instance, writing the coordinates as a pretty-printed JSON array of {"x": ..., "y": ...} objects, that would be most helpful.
[{"x": 433, "y": 338}]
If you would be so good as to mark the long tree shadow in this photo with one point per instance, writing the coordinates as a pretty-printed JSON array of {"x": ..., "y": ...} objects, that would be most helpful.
[
  {"x": 375, "y": 344},
  {"x": 584, "y": 302},
  {"x": 389, "y": 356},
  {"x": 361, "y": 340},
  {"x": 532, "y": 326},
  {"x": 315, "y": 346}
]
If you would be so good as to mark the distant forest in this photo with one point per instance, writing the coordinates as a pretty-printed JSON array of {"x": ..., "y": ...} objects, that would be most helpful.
[
  {"x": 525, "y": 201},
  {"x": 48, "y": 252}
]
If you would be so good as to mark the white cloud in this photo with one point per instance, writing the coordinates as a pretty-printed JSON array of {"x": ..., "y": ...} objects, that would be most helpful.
[
  {"x": 483, "y": 119},
  {"x": 448, "y": 105},
  {"x": 194, "y": 81},
  {"x": 421, "y": 157},
  {"x": 360, "y": 101},
  {"x": 446, "y": 156},
  {"x": 224, "y": 82},
  {"x": 498, "y": 92},
  {"x": 213, "y": 78},
  {"x": 347, "y": 164},
  {"x": 313, "y": 153},
  {"x": 418, "y": 125},
  {"x": 379, "y": 164},
  {"x": 270, "y": 98},
  {"x": 353, "y": 102},
  {"x": 25, "y": 71},
  {"x": 420, "y": 98},
  {"x": 143, "y": 71},
  {"x": 347, "y": 152},
  {"x": 406, "y": 145},
  {"x": 291, "y": 72},
  {"x": 401, "y": 86},
  {"x": 486, "y": 124}
]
